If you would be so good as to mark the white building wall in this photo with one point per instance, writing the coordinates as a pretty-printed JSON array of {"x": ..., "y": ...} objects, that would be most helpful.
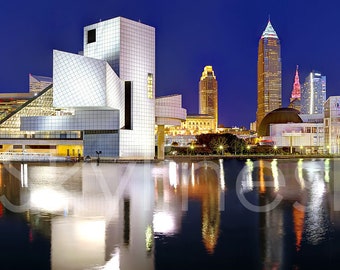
[
  {"x": 309, "y": 136},
  {"x": 129, "y": 48},
  {"x": 332, "y": 124},
  {"x": 78, "y": 81},
  {"x": 137, "y": 60}
]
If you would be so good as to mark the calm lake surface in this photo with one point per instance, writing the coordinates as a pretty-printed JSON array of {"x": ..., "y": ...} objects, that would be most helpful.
[{"x": 220, "y": 214}]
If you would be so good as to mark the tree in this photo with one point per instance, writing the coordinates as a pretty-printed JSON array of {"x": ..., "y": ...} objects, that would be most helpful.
[{"x": 219, "y": 144}]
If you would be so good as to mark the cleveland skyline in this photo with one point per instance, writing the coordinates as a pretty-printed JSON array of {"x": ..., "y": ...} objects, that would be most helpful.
[{"x": 228, "y": 41}]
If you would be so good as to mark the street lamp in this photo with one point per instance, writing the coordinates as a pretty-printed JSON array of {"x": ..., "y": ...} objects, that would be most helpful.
[
  {"x": 98, "y": 159},
  {"x": 248, "y": 149},
  {"x": 221, "y": 149},
  {"x": 192, "y": 147},
  {"x": 301, "y": 148},
  {"x": 275, "y": 148}
]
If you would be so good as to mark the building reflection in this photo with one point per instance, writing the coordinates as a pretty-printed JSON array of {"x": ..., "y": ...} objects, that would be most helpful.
[
  {"x": 271, "y": 219},
  {"x": 203, "y": 182},
  {"x": 92, "y": 215},
  {"x": 108, "y": 215}
]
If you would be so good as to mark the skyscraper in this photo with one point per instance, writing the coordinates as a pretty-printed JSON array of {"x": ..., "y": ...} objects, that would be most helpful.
[
  {"x": 268, "y": 74},
  {"x": 208, "y": 95},
  {"x": 313, "y": 94},
  {"x": 295, "y": 99}
]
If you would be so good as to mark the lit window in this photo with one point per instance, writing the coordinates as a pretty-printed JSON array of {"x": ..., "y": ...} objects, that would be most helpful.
[{"x": 150, "y": 85}]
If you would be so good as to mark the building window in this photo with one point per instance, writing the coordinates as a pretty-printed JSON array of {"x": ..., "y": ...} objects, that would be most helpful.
[
  {"x": 91, "y": 36},
  {"x": 150, "y": 85}
]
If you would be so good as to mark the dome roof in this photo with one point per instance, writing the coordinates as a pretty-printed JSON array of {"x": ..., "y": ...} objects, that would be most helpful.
[{"x": 278, "y": 116}]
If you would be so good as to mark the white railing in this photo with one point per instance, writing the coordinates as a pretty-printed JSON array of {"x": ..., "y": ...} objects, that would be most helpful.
[{"x": 17, "y": 156}]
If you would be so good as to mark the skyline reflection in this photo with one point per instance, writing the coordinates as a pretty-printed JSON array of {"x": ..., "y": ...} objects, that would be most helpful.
[{"x": 129, "y": 216}]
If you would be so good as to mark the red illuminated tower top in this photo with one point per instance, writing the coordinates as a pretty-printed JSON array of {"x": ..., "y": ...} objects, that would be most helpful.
[{"x": 296, "y": 93}]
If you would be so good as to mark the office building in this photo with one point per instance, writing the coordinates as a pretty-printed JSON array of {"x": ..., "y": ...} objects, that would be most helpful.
[
  {"x": 295, "y": 99},
  {"x": 208, "y": 95},
  {"x": 332, "y": 125},
  {"x": 268, "y": 74},
  {"x": 313, "y": 94}
]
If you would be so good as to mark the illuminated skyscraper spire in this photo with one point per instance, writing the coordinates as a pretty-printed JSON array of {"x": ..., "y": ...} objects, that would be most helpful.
[
  {"x": 269, "y": 32},
  {"x": 295, "y": 99},
  {"x": 296, "y": 93},
  {"x": 268, "y": 74}
]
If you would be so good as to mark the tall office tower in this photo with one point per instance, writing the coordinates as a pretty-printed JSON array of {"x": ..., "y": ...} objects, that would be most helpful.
[
  {"x": 208, "y": 95},
  {"x": 313, "y": 94},
  {"x": 268, "y": 74},
  {"x": 295, "y": 99}
]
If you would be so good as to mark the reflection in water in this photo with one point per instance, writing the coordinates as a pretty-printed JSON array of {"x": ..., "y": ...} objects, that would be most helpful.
[
  {"x": 107, "y": 216},
  {"x": 261, "y": 176},
  {"x": 271, "y": 193},
  {"x": 300, "y": 179},
  {"x": 275, "y": 173},
  {"x": 298, "y": 217},
  {"x": 207, "y": 183},
  {"x": 207, "y": 190},
  {"x": 315, "y": 222}
]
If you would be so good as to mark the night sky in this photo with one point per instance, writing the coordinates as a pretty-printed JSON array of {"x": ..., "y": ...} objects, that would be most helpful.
[{"x": 189, "y": 36}]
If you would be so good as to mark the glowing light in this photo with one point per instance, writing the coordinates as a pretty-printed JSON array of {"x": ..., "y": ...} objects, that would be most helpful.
[
  {"x": 24, "y": 178},
  {"x": 247, "y": 179},
  {"x": 300, "y": 174},
  {"x": 222, "y": 181},
  {"x": 327, "y": 169},
  {"x": 148, "y": 238},
  {"x": 193, "y": 174},
  {"x": 275, "y": 173},
  {"x": 163, "y": 223},
  {"x": 49, "y": 200},
  {"x": 91, "y": 230},
  {"x": 311, "y": 94},
  {"x": 173, "y": 174},
  {"x": 262, "y": 184}
]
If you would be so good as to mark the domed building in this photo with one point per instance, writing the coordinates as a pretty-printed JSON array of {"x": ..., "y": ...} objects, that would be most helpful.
[{"x": 278, "y": 116}]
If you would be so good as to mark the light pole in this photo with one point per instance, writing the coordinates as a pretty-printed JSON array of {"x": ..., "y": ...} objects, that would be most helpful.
[
  {"x": 301, "y": 148},
  {"x": 98, "y": 159},
  {"x": 221, "y": 149},
  {"x": 248, "y": 149},
  {"x": 192, "y": 148},
  {"x": 275, "y": 149}
]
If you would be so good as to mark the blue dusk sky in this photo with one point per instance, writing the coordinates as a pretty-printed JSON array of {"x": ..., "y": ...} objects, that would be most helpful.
[{"x": 189, "y": 36}]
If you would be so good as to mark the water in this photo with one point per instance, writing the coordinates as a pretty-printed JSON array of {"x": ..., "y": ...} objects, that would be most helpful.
[{"x": 231, "y": 214}]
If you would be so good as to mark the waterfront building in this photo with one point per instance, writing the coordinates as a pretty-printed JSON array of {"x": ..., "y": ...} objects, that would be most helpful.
[
  {"x": 38, "y": 83},
  {"x": 100, "y": 103},
  {"x": 184, "y": 134},
  {"x": 9, "y": 102},
  {"x": 286, "y": 128},
  {"x": 304, "y": 138},
  {"x": 295, "y": 99},
  {"x": 268, "y": 74},
  {"x": 332, "y": 125},
  {"x": 208, "y": 95},
  {"x": 313, "y": 94}
]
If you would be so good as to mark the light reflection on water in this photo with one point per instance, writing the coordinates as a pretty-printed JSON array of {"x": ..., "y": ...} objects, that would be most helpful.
[{"x": 164, "y": 215}]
